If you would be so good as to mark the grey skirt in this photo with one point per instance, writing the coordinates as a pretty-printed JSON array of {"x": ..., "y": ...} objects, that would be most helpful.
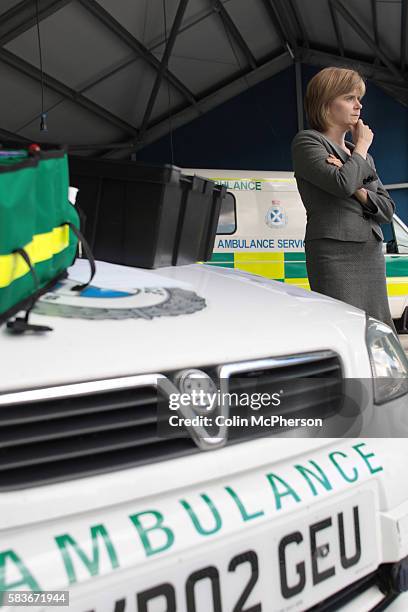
[{"x": 353, "y": 272}]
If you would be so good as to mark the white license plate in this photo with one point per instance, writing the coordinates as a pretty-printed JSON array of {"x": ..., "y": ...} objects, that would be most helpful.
[{"x": 289, "y": 565}]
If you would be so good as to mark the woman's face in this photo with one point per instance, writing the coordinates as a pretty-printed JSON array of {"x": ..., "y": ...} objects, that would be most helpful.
[{"x": 344, "y": 111}]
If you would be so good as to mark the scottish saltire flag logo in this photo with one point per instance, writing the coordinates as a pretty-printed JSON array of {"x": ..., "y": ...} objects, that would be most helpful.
[{"x": 276, "y": 216}]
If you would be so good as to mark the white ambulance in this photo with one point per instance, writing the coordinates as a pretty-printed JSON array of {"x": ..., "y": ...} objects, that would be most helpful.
[
  {"x": 262, "y": 228},
  {"x": 102, "y": 511}
]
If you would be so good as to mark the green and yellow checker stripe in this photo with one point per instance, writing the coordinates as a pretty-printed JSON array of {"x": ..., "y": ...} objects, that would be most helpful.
[
  {"x": 41, "y": 248},
  {"x": 397, "y": 275},
  {"x": 285, "y": 267},
  {"x": 291, "y": 268}
]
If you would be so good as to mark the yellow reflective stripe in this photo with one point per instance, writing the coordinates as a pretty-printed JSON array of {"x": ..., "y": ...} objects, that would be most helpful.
[
  {"x": 397, "y": 286},
  {"x": 268, "y": 264},
  {"x": 41, "y": 248},
  {"x": 299, "y": 282},
  {"x": 250, "y": 256},
  {"x": 269, "y": 270}
]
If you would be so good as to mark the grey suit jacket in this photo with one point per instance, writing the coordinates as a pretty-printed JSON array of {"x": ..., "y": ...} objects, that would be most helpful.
[{"x": 327, "y": 191}]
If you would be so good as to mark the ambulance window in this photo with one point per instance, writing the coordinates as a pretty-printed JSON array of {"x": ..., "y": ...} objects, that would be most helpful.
[
  {"x": 401, "y": 236},
  {"x": 227, "y": 223}
]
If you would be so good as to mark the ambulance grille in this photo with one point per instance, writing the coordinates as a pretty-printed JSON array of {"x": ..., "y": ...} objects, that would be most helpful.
[
  {"x": 73, "y": 431},
  {"x": 66, "y": 437},
  {"x": 312, "y": 387}
]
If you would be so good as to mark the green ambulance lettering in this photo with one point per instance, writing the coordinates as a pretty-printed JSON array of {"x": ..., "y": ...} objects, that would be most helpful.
[
  {"x": 366, "y": 457},
  {"x": 241, "y": 185},
  {"x": 320, "y": 476},
  {"x": 311, "y": 472},
  {"x": 251, "y": 185},
  {"x": 246, "y": 516},
  {"x": 200, "y": 529},
  {"x": 274, "y": 479},
  {"x": 340, "y": 469},
  {"x": 26, "y": 578},
  {"x": 92, "y": 564},
  {"x": 143, "y": 531}
]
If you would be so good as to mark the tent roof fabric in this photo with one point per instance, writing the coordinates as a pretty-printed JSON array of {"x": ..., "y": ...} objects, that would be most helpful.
[{"x": 114, "y": 72}]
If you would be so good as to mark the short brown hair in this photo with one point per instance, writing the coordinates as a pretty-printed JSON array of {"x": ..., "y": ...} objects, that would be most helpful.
[{"x": 324, "y": 87}]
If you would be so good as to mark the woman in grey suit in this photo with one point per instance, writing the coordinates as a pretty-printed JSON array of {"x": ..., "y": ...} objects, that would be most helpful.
[{"x": 345, "y": 200}]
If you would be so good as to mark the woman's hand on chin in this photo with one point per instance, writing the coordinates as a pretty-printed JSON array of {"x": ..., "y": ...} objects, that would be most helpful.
[{"x": 362, "y": 134}]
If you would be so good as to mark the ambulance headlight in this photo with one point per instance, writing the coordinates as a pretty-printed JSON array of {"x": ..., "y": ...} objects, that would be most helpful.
[{"x": 389, "y": 363}]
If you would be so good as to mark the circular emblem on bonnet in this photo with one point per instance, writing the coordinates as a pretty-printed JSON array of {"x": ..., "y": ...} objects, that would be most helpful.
[{"x": 101, "y": 303}]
